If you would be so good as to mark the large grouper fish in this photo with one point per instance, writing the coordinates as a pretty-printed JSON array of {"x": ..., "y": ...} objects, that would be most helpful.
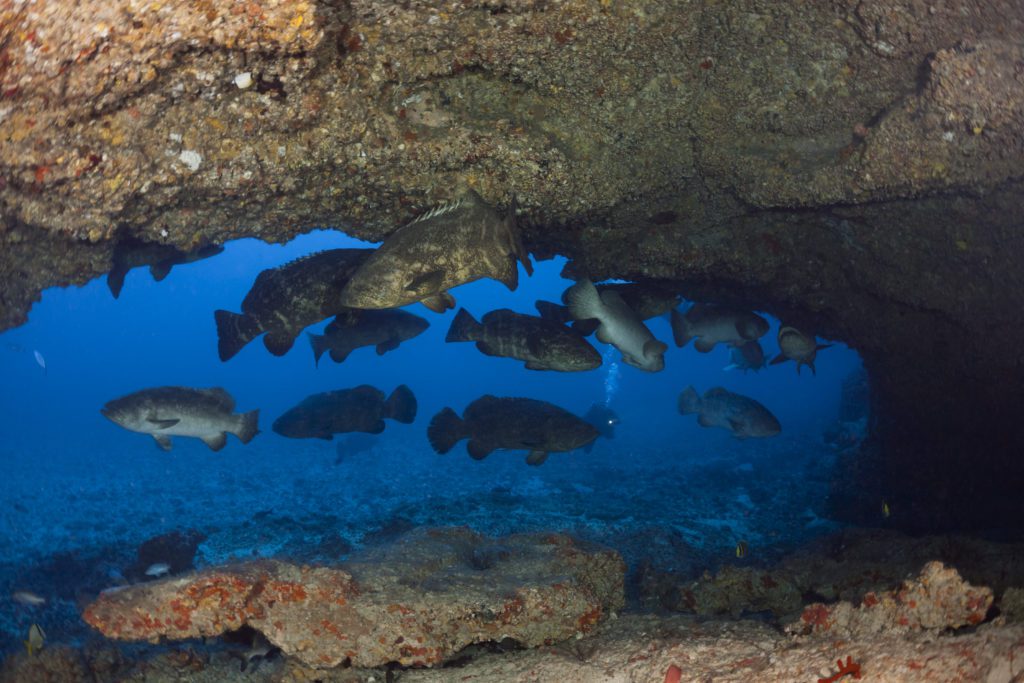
[
  {"x": 385, "y": 330},
  {"x": 491, "y": 423},
  {"x": 285, "y": 300},
  {"x": 133, "y": 253},
  {"x": 360, "y": 409},
  {"x": 646, "y": 300},
  {"x": 719, "y": 407},
  {"x": 710, "y": 324},
  {"x": 543, "y": 344},
  {"x": 619, "y": 325},
  {"x": 163, "y": 412},
  {"x": 797, "y": 346},
  {"x": 453, "y": 244}
]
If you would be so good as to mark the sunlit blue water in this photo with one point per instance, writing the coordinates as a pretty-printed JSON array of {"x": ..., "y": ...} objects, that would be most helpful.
[{"x": 75, "y": 481}]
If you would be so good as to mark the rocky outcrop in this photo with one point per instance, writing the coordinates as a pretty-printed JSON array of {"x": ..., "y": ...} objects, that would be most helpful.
[
  {"x": 936, "y": 600},
  {"x": 853, "y": 167},
  {"x": 416, "y": 602}
]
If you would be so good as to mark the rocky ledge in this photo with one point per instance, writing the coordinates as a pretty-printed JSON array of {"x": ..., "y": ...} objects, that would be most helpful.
[{"x": 416, "y": 602}]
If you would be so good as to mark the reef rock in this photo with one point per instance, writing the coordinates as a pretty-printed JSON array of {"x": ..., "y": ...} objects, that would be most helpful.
[
  {"x": 415, "y": 602},
  {"x": 937, "y": 599}
]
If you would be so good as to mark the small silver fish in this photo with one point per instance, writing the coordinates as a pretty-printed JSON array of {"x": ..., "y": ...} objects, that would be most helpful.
[
  {"x": 40, "y": 361},
  {"x": 158, "y": 569},
  {"x": 28, "y": 599}
]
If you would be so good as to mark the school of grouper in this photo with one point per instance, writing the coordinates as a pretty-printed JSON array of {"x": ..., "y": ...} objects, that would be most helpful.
[{"x": 453, "y": 244}]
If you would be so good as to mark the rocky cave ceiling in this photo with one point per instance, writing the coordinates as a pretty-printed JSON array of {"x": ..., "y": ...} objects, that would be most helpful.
[{"x": 853, "y": 167}]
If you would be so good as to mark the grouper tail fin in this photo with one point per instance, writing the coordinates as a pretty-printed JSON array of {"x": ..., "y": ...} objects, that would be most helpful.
[
  {"x": 689, "y": 401},
  {"x": 445, "y": 430},
  {"x": 115, "y": 279},
  {"x": 234, "y": 331},
  {"x": 319, "y": 344},
  {"x": 249, "y": 426},
  {"x": 401, "y": 405},
  {"x": 464, "y": 328}
]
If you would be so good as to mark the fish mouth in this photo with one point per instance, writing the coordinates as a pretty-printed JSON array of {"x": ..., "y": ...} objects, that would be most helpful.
[{"x": 112, "y": 414}]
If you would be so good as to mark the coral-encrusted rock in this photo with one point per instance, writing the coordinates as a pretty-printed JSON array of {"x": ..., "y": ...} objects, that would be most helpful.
[
  {"x": 415, "y": 602},
  {"x": 735, "y": 590},
  {"x": 937, "y": 599}
]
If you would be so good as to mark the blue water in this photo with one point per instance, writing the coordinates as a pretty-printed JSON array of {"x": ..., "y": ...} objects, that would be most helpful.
[{"x": 76, "y": 482}]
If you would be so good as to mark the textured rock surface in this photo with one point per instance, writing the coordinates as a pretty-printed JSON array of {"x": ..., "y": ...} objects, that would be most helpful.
[
  {"x": 637, "y": 648},
  {"x": 938, "y": 599},
  {"x": 415, "y": 602},
  {"x": 846, "y": 566},
  {"x": 853, "y": 167}
]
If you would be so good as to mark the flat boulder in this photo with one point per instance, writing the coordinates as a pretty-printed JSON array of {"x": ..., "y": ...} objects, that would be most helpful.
[{"x": 417, "y": 601}]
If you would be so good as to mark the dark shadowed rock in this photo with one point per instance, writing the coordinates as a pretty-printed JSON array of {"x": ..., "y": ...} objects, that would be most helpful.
[{"x": 176, "y": 549}]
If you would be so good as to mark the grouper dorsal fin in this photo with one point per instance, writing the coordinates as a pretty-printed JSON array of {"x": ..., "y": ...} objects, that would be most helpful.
[
  {"x": 442, "y": 209},
  {"x": 515, "y": 237},
  {"x": 222, "y": 397}
]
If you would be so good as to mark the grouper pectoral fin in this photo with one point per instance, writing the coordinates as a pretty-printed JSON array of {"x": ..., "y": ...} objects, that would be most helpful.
[
  {"x": 486, "y": 349},
  {"x": 278, "y": 343},
  {"x": 426, "y": 283},
  {"x": 439, "y": 303},
  {"x": 385, "y": 346},
  {"x": 703, "y": 345},
  {"x": 536, "y": 365},
  {"x": 215, "y": 441},
  {"x": 162, "y": 441},
  {"x": 377, "y": 427},
  {"x": 478, "y": 450},
  {"x": 704, "y": 421},
  {"x": 536, "y": 458},
  {"x": 162, "y": 424},
  {"x": 510, "y": 273}
]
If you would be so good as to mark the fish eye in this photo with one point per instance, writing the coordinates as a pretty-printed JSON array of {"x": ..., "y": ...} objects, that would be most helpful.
[{"x": 611, "y": 422}]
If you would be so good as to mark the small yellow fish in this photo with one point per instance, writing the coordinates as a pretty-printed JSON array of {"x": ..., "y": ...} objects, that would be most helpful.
[
  {"x": 885, "y": 509},
  {"x": 741, "y": 549},
  {"x": 36, "y": 637}
]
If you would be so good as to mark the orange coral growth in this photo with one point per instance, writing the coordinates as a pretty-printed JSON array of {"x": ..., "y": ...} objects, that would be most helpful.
[
  {"x": 587, "y": 620},
  {"x": 850, "y": 667},
  {"x": 816, "y": 615}
]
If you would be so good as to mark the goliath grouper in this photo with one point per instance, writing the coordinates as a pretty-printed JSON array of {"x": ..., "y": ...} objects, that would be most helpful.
[
  {"x": 743, "y": 416},
  {"x": 647, "y": 301},
  {"x": 746, "y": 356},
  {"x": 711, "y": 324},
  {"x": 385, "y": 330},
  {"x": 451, "y": 245},
  {"x": 134, "y": 253},
  {"x": 618, "y": 325},
  {"x": 491, "y": 423},
  {"x": 543, "y": 344},
  {"x": 285, "y": 300},
  {"x": 163, "y": 412},
  {"x": 361, "y": 409},
  {"x": 795, "y": 345}
]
